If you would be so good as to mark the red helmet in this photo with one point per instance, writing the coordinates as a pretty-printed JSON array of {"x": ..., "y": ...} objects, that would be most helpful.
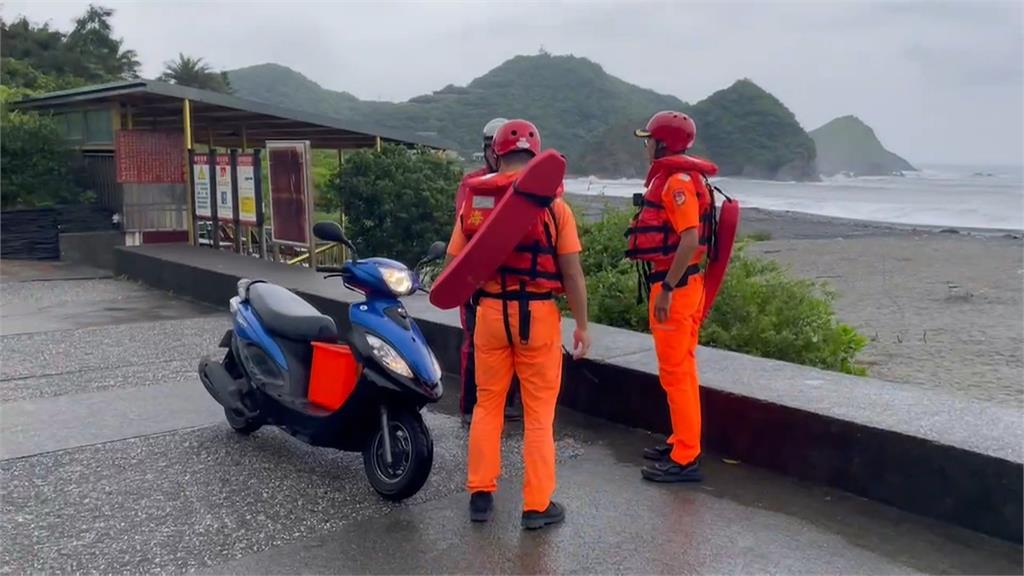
[
  {"x": 674, "y": 130},
  {"x": 516, "y": 135}
]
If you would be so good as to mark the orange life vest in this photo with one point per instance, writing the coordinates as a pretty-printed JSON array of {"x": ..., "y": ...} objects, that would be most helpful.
[
  {"x": 534, "y": 260},
  {"x": 652, "y": 238}
]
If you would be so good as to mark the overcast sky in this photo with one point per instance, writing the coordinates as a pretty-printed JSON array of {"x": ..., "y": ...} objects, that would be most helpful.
[{"x": 939, "y": 82}]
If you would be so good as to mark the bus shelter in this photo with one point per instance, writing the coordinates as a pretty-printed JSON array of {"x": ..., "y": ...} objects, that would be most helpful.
[{"x": 179, "y": 164}]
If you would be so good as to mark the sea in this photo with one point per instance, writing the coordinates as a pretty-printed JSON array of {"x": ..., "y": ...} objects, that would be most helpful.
[{"x": 937, "y": 195}]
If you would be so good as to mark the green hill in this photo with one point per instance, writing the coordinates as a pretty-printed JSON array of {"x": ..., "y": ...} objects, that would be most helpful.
[
  {"x": 281, "y": 85},
  {"x": 748, "y": 132},
  {"x": 848, "y": 145},
  {"x": 569, "y": 98},
  {"x": 582, "y": 110},
  {"x": 743, "y": 128}
]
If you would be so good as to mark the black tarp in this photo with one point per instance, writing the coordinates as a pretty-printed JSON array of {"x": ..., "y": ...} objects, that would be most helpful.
[{"x": 29, "y": 234}]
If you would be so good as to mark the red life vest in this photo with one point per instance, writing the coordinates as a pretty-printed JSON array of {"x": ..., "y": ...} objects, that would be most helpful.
[
  {"x": 651, "y": 235},
  {"x": 534, "y": 260},
  {"x": 460, "y": 194}
]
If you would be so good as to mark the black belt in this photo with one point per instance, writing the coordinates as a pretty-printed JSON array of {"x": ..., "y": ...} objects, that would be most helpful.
[
  {"x": 659, "y": 275},
  {"x": 524, "y": 297},
  {"x": 517, "y": 295}
]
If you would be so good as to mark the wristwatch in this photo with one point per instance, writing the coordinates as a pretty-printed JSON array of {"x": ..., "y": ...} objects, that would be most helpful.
[{"x": 666, "y": 286}]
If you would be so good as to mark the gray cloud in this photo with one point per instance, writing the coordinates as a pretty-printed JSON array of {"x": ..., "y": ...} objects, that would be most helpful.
[{"x": 939, "y": 81}]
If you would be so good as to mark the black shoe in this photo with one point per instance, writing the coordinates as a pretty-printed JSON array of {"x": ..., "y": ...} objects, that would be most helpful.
[
  {"x": 658, "y": 453},
  {"x": 532, "y": 520},
  {"x": 671, "y": 471},
  {"x": 481, "y": 504}
]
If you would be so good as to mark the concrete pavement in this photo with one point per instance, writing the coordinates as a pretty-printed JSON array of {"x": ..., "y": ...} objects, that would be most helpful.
[{"x": 113, "y": 460}]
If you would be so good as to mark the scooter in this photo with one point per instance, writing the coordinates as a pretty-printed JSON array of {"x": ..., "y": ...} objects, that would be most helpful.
[{"x": 272, "y": 354}]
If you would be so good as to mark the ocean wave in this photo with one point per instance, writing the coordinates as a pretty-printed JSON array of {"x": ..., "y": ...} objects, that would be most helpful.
[{"x": 936, "y": 198}]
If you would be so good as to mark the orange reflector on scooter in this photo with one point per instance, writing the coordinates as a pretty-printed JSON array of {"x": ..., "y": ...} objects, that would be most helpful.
[{"x": 333, "y": 375}]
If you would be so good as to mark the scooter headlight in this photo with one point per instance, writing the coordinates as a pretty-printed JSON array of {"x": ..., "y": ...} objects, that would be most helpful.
[
  {"x": 397, "y": 279},
  {"x": 388, "y": 356}
]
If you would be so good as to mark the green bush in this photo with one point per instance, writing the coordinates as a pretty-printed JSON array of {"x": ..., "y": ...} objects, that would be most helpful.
[
  {"x": 760, "y": 310},
  {"x": 396, "y": 202},
  {"x": 37, "y": 163}
]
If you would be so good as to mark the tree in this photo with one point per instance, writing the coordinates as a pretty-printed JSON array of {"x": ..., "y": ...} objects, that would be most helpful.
[
  {"x": 102, "y": 57},
  {"x": 40, "y": 58},
  {"x": 193, "y": 72},
  {"x": 37, "y": 164},
  {"x": 396, "y": 201}
]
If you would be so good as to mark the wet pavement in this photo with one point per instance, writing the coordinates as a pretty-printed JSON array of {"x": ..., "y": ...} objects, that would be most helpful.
[{"x": 113, "y": 459}]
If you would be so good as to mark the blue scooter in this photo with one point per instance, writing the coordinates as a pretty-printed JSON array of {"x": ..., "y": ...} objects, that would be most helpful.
[{"x": 264, "y": 376}]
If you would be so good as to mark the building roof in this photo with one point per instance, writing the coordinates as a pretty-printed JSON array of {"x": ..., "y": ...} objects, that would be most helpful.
[{"x": 223, "y": 118}]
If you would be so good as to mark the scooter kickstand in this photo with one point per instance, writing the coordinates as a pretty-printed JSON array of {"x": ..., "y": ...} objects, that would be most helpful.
[{"x": 386, "y": 430}]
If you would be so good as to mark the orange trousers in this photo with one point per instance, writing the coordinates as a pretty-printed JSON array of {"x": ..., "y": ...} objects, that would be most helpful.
[
  {"x": 538, "y": 364},
  {"x": 675, "y": 343}
]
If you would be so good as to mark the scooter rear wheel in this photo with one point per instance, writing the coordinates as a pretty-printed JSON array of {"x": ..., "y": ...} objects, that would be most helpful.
[
  {"x": 240, "y": 423},
  {"x": 412, "y": 456}
]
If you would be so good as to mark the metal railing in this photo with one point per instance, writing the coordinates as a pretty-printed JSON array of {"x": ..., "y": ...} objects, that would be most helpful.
[{"x": 326, "y": 255}]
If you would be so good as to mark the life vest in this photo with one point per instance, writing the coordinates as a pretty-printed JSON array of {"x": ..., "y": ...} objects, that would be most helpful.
[
  {"x": 460, "y": 194},
  {"x": 534, "y": 260},
  {"x": 651, "y": 237}
]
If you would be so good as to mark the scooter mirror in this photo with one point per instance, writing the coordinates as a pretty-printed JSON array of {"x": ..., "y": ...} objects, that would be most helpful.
[
  {"x": 332, "y": 232},
  {"x": 436, "y": 251},
  {"x": 329, "y": 232}
]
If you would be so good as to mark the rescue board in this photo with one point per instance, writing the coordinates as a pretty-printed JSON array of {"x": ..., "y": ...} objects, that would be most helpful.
[
  {"x": 537, "y": 185},
  {"x": 725, "y": 237}
]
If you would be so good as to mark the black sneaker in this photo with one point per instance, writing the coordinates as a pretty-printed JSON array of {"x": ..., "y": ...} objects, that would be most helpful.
[
  {"x": 671, "y": 471},
  {"x": 657, "y": 453},
  {"x": 533, "y": 520},
  {"x": 481, "y": 504}
]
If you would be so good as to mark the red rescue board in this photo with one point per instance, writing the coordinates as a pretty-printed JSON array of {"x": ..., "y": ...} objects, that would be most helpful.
[
  {"x": 536, "y": 187},
  {"x": 714, "y": 275}
]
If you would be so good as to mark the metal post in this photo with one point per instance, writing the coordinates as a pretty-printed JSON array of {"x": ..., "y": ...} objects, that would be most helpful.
[
  {"x": 186, "y": 115},
  {"x": 310, "y": 200},
  {"x": 378, "y": 144},
  {"x": 193, "y": 218},
  {"x": 341, "y": 215},
  {"x": 214, "y": 199},
  {"x": 257, "y": 174},
  {"x": 235, "y": 208}
]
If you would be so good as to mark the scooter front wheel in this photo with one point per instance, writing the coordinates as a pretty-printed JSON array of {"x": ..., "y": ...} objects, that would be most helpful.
[{"x": 412, "y": 455}]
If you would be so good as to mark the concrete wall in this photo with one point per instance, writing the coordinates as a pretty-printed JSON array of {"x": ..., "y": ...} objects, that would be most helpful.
[
  {"x": 91, "y": 248},
  {"x": 940, "y": 456}
]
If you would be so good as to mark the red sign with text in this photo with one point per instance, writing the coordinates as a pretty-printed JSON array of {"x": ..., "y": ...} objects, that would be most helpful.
[{"x": 145, "y": 157}]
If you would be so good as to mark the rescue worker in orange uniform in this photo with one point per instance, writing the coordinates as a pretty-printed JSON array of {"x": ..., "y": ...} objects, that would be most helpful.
[
  {"x": 669, "y": 237},
  {"x": 518, "y": 331}
]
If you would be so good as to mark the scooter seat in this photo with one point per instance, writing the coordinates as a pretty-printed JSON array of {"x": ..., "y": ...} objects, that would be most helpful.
[{"x": 287, "y": 315}]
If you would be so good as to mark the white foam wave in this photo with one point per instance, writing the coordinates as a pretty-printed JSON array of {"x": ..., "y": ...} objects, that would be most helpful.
[{"x": 933, "y": 197}]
